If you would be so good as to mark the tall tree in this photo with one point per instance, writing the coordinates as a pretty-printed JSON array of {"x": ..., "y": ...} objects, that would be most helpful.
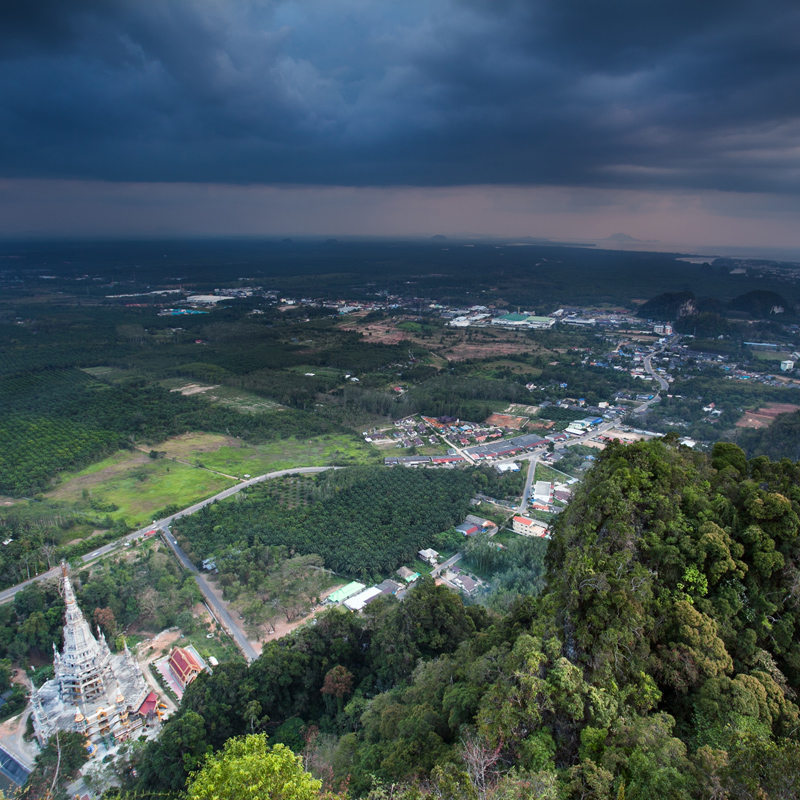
[{"x": 247, "y": 769}]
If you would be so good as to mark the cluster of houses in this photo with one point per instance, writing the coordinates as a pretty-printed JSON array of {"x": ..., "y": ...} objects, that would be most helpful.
[
  {"x": 356, "y": 596},
  {"x": 579, "y": 427},
  {"x": 410, "y": 433},
  {"x": 508, "y": 447},
  {"x": 448, "y": 459},
  {"x": 463, "y": 433}
]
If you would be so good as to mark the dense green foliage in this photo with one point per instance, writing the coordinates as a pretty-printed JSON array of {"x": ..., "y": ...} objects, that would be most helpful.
[
  {"x": 758, "y": 303},
  {"x": 515, "y": 571},
  {"x": 364, "y": 521},
  {"x": 15, "y": 695},
  {"x": 32, "y": 450},
  {"x": 561, "y": 414},
  {"x": 56, "y": 765},
  {"x": 668, "y": 306},
  {"x": 265, "y": 581},
  {"x": 64, "y": 418},
  {"x": 731, "y": 397},
  {"x": 32, "y": 623},
  {"x": 148, "y": 589},
  {"x": 661, "y": 659},
  {"x": 249, "y": 768},
  {"x": 500, "y": 485}
]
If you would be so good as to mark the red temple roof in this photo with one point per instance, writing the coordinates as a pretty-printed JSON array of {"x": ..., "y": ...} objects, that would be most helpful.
[
  {"x": 184, "y": 665},
  {"x": 149, "y": 704}
]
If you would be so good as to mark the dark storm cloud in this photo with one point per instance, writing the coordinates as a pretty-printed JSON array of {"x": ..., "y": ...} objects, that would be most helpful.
[{"x": 563, "y": 92}]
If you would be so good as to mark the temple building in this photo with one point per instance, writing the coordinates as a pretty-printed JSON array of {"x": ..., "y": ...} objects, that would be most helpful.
[
  {"x": 184, "y": 666},
  {"x": 94, "y": 691}
]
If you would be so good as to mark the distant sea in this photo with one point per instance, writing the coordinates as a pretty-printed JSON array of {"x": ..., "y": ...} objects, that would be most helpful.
[{"x": 716, "y": 251}]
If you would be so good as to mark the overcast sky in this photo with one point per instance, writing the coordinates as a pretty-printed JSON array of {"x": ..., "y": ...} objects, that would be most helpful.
[{"x": 677, "y": 121}]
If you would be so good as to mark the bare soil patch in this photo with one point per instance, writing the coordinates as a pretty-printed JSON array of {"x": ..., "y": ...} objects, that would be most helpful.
[
  {"x": 379, "y": 332},
  {"x": 152, "y": 649},
  {"x": 465, "y": 350},
  {"x": 506, "y": 421},
  {"x": 593, "y": 443},
  {"x": 194, "y": 388},
  {"x": 279, "y": 627},
  {"x": 764, "y": 417},
  {"x": 188, "y": 444},
  {"x": 540, "y": 425},
  {"x": 626, "y": 436},
  {"x": 447, "y": 345}
]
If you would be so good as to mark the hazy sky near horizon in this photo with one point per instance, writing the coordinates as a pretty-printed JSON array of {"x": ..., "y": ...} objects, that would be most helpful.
[{"x": 677, "y": 121}]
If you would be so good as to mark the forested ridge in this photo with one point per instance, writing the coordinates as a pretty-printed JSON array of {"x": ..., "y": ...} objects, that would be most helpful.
[{"x": 661, "y": 659}]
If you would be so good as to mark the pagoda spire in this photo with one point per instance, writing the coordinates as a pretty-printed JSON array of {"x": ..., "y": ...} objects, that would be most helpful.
[
  {"x": 73, "y": 614},
  {"x": 83, "y": 669}
]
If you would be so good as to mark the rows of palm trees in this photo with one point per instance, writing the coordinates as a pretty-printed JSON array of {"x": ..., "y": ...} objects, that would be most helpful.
[{"x": 361, "y": 529}]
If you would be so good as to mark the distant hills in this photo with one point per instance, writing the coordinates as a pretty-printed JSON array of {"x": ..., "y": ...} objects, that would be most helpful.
[
  {"x": 621, "y": 237},
  {"x": 761, "y": 303},
  {"x": 670, "y": 306}
]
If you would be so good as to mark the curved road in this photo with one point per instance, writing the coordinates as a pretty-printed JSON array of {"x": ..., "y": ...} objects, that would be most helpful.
[
  {"x": 648, "y": 367},
  {"x": 8, "y": 594}
]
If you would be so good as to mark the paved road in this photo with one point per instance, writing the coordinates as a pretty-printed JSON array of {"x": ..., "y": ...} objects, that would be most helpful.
[
  {"x": 8, "y": 594},
  {"x": 437, "y": 570},
  {"x": 648, "y": 367},
  {"x": 222, "y": 613},
  {"x": 459, "y": 450}
]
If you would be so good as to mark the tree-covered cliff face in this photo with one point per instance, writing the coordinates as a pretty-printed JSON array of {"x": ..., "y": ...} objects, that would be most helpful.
[
  {"x": 674, "y": 588},
  {"x": 661, "y": 661}
]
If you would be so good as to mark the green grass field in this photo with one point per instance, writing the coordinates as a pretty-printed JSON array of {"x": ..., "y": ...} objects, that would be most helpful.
[
  {"x": 140, "y": 486},
  {"x": 417, "y": 565},
  {"x": 241, "y": 458},
  {"x": 111, "y": 374},
  {"x": 490, "y": 369},
  {"x": 771, "y": 355},
  {"x": 221, "y": 646},
  {"x": 320, "y": 372},
  {"x": 544, "y": 473}
]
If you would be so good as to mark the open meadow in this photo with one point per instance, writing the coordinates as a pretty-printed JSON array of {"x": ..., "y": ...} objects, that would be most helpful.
[{"x": 191, "y": 467}]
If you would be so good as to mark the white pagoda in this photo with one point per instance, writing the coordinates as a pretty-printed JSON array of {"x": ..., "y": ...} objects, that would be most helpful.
[{"x": 94, "y": 691}]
